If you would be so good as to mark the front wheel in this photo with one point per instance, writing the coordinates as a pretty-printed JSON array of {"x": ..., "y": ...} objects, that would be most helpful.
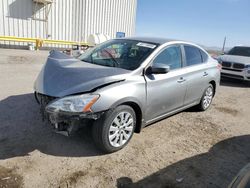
[
  {"x": 114, "y": 129},
  {"x": 206, "y": 98}
]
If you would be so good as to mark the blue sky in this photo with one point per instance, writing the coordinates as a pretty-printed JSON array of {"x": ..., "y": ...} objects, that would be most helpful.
[{"x": 205, "y": 22}]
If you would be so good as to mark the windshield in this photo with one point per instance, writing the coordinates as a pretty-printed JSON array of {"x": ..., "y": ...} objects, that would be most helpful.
[
  {"x": 121, "y": 53},
  {"x": 240, "y": 51}
]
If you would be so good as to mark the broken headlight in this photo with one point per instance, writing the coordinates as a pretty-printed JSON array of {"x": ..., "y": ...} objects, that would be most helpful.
[{"x": 77, "y": 103}]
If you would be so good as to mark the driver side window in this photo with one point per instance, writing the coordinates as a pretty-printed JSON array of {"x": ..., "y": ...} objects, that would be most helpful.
[{"x": 170, "y": 56}]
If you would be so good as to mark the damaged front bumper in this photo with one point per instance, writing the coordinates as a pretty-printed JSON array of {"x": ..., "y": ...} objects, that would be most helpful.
[
  {"x": 65, "y": 123},
  {"x": 68, "y": 123}
]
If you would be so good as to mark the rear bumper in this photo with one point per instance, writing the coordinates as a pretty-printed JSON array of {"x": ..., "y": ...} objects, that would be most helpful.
[{"x": 240, "y": 75}]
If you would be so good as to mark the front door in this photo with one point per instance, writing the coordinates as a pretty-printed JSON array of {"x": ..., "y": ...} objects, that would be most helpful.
[{"x": 166, "y": 92}]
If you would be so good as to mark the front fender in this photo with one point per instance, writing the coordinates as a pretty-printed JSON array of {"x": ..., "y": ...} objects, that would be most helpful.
[{"x": 130, "y": 91}]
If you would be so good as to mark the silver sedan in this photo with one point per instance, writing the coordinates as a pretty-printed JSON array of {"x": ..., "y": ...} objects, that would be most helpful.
[{"x": 122, "y": 85}]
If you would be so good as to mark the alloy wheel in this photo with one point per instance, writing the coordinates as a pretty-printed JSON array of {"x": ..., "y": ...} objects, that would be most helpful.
[
  {"x": 208, "y": 97},
  {"x": 121, "y": 129}
]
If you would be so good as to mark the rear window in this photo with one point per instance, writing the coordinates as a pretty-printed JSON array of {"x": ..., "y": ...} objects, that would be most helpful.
[
  {"x": 240, "y": 51},
  {"x": 204, "y": 56},
  {"x": 193, "y": 55}
]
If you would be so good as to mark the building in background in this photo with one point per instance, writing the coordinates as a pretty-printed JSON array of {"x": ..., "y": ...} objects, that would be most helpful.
[{"x": 70, "y": 20}]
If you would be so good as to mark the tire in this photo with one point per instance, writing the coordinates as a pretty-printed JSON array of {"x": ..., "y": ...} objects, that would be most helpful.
[
  {"x": 111, "y": 133},
  {"x": 208, "y": 97},
  {"x": 247, "y": 83}
]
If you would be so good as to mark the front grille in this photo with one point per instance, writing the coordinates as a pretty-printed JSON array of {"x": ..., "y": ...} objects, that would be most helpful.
[
  {"x": 236, "y": 70},
  {"x": 232, "y": 76},
  {"x": 43, "y": 100},
  {"x": 238, "y": 66},
  {"x": 226, "y": 64}
]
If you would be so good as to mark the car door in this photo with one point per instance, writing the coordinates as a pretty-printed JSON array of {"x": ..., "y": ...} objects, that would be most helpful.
[
  {"x": 196, "y": 73},
  {"x": 166, "y": 92}
]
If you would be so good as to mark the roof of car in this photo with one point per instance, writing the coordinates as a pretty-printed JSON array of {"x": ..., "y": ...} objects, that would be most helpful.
[{"x": 152, "y": 39}]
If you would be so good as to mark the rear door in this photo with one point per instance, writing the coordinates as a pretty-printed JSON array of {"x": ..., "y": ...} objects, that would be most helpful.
[
  {"x": 166, "y": 92},
  {"x": 196, "y": 73}
]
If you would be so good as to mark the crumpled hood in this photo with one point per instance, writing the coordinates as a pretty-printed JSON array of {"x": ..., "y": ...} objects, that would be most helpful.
[
  {"x": 63, "y": 75},
  {"x": 235, "y": 59}
]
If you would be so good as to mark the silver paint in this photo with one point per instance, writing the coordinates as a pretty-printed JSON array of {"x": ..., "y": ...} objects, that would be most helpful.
[{"x": 156, "y": 95}]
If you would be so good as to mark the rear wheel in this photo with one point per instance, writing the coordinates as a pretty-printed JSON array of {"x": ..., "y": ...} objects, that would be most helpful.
[
  {"x": 206, "y": 98},
  {"x": 114, "y": 129}
]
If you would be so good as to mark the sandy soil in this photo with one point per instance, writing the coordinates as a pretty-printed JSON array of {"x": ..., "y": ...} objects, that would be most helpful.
[{"x": 190, "y": 149}]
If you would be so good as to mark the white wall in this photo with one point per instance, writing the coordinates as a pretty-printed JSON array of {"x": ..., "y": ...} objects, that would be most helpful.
[{"x": 72, "y": 20}]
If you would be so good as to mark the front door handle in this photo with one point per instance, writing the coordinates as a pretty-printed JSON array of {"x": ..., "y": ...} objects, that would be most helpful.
[
  {"x": 181, "y": 80},
  {"x": 205, "y": 74}
]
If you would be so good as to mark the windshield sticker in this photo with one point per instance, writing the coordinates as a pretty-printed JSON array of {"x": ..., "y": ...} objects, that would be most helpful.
[{"x": 146, "y": 45}]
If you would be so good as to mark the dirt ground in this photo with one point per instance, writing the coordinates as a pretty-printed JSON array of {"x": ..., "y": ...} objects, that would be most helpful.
[{"x": 190, "y": 149}]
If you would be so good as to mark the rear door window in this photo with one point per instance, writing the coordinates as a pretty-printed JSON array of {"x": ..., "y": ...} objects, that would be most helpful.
[
  {"x": 193, "y": 55},
  {"x": 204, "y": 56}
]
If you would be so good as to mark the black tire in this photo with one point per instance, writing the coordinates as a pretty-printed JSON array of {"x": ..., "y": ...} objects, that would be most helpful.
[
  {"x": 247, "y": 83},
  {"x": 201, "y": 106},
  {"x": 100, "y": 129}
]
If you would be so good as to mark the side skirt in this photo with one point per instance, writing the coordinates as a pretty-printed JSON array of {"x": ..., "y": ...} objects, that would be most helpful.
[{"x": 171, "y": 113}]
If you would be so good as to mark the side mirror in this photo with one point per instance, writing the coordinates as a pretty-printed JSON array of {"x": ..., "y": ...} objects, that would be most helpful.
[{"x": 158, "y": 69}]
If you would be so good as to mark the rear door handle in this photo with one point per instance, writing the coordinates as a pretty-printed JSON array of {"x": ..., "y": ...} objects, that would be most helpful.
[
  {"x": 181, "y": 80},
  {"x": 205, "y": 74}
]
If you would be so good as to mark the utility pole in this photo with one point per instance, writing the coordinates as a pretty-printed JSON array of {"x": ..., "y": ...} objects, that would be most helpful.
[{"x": 224, "y": 43}]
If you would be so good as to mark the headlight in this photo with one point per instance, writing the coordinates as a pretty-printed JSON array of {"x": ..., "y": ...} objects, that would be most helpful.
[{"x": 78, "y": 103}]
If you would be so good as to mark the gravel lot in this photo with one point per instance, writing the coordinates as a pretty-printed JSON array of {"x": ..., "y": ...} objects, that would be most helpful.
[{"x": 190, "y": 149}]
